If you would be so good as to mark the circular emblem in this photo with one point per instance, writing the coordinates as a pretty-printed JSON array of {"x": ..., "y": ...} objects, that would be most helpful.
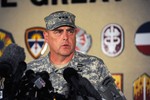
[
  {"x": 112, "y": 40},
  {"x": 83, "y": 41},
  {"x": 142, "y": 38}
]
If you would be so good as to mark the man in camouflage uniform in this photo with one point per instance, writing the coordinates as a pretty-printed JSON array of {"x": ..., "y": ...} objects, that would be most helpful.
[{"x": 60, "y": 35}]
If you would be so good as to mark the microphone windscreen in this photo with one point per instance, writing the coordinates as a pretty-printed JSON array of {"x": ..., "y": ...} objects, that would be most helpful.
[
  {"x": 20, "y": 70},
  {"x": 80, "y": 84},
  {"x": 23, "y": 66},
  {"x": 5, "y": 69},
  {"x": 68, "y": 73},
  {"x": 29, "y": 73},
  {"x": 13, "y": 54},
  {"x": 44, "y": 75}
]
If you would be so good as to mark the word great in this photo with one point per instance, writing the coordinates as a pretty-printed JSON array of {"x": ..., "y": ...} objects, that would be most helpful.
[{"x": 7, "y": 3}]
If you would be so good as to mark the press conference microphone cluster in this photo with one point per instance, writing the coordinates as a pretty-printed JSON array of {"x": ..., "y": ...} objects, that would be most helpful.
[
  {"x": 12, "y": 67},
  {"x": 81, "y": 88},
  {"x": 34, "y": 85},
  {"x": 37, "y": 86}
]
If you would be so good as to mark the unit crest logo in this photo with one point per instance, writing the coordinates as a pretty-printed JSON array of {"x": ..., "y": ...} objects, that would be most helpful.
[
  {"x": 112, "y": 40},
  {"x": 83, "y": 41},
  {"x": 6, "y": 38},
  {"x": 141, "y": 87},
  {"x": 34, "y": 40},
  {"x": 118, "y": 80},
  {"x": 142, "y": 38}
]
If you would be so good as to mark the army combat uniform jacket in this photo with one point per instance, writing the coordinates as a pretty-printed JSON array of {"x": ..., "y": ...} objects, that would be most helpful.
[{"x": 88, "y": 66}]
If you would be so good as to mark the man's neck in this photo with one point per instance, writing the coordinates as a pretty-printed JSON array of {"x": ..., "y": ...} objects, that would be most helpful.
[{"x": 59, "y": 59}]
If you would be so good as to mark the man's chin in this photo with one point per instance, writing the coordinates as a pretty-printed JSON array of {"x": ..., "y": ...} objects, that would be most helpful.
[{"x": 66, "y": 53}]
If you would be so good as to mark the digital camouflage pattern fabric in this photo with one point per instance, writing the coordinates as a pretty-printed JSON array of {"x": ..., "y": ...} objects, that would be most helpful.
[{"x": 90, "y": 67}]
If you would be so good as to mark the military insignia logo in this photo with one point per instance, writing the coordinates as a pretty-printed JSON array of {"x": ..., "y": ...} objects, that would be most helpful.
[
  {"x": 142, "y": 37},
  {"x": 141, "y": 87},
  {"x": 112, "y": 40},
  {"x": 83, "y": 41},
  {"x": 118, "y": 80},
  {"x": 6, "y": 38},
  {"x": 34, "y": 40}
]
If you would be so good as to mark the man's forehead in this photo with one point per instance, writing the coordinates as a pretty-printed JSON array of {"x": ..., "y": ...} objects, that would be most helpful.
[{"x": 64, "y": 27}]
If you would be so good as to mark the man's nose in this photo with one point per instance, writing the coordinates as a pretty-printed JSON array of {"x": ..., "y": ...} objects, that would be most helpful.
[{"x": 65, "y": 35}]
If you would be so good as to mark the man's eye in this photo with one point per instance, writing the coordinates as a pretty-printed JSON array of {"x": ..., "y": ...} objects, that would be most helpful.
[
  {"x": 71, "y": 31},
  {"x": 58, "y": 31}
]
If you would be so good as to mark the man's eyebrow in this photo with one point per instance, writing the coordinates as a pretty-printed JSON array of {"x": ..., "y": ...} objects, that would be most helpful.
[
  {"x": 70, "y": 29},
  {"x": 57, "y": 29}
]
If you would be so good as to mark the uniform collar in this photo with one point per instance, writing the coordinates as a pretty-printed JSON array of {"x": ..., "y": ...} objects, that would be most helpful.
[{"x": 73, "y": 63}]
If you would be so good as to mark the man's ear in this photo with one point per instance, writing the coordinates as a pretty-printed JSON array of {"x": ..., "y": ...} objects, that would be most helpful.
[
  {"x": 76, "y": 30},
  {"x": 45, "y": 34}
]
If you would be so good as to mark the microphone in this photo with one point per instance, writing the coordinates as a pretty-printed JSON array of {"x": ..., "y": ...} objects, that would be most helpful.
[
  {"x": 37, "y": 86},
  {"x": 29, "y": 85},
  {"x": 47, "y": 92},
  {"x": 26, "y": 87},
  {"x": 12, "y": 66},
  {"x": 109, "y": 90},
  {"x": 5, "y": 69},
  {"x": 35, "y": 79},
  {"x": 45, "y": 76},
  {"x": 81, "y": 86},
  {"x": 13, "y": 54},
  {"x": 16, "y": 79},
  {"x": 44, "y": 93}
]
